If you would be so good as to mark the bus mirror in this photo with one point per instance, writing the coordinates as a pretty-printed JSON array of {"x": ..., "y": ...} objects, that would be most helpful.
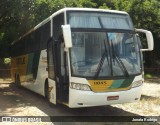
[
  {"x": 67, "y": 36},
  {"x": 149, "y": 37}
]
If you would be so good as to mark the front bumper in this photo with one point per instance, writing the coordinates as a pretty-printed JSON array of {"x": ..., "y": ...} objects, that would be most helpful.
[{"x": 79, "y": 98}]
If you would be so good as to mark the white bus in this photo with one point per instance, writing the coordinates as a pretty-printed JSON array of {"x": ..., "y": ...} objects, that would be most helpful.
[{"x": 82, "y": 57}]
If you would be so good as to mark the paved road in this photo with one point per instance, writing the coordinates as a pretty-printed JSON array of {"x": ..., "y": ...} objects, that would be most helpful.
[{"x": 21, "y": 102}]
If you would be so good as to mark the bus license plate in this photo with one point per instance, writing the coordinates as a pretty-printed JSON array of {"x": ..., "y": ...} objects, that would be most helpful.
[{"x": 110, "y": 98}]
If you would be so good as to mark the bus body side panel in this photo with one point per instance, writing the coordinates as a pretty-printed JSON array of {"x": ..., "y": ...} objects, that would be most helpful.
[
  {"x": 19, "y": 67},
  {"x": 79, "y": 98},
  {"x": 31, "y": 69},
  {"x": 37, "y": 85}
]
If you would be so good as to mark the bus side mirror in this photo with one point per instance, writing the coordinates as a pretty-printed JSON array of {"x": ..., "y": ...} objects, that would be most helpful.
[
  {"x": 67, "y": 36},
  {"x": 149, "y": 37}
]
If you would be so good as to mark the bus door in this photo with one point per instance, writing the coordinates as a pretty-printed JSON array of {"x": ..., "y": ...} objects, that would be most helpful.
[
  {"x": 50, "y": 86},
  {"x": 64, "y": 77},
  {"x": 56, "y": 72}
]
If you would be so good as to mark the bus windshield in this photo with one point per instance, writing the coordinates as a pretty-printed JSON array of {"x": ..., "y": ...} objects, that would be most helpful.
[{"x": 104, "y": 54}]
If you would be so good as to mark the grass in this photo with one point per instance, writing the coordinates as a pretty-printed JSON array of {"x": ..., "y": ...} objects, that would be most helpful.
[{"x": 148, "y": 76}]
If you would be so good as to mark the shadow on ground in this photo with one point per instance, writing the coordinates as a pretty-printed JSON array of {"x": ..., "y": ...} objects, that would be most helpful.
[
  {"x": 13, "y": 98},
  {"x": 155, "y": 80}
]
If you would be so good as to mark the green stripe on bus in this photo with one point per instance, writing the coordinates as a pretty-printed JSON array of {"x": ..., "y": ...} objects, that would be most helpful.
[
  {"x": 127, "y": 83},
  {"x": 29, "y": 66},
  {"x": 122, "y": 83},
  {"x": 32, "y": 67},
  {"x": 35, "y": 64},
  {"x": 116, "y": 84}
]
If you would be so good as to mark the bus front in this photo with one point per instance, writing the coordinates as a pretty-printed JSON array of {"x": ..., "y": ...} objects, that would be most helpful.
[{"x": 105, "y": 59}]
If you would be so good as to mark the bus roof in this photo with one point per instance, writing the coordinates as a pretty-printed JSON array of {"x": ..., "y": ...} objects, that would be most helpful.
[
  {"x": 78, "y": 9},
  {"x": 68, "y": 9},
  {"x": 89, "y": 9}
]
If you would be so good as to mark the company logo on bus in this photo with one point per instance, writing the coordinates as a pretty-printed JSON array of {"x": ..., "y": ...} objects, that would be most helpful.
[
  {"x": 100, "y": 82},
  {"x": 100, "y": 85}
]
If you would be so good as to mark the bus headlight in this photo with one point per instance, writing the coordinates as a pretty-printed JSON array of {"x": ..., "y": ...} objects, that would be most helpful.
[
  {"x": 137, "y": 83},
  {"x": 79, "y": 86}
]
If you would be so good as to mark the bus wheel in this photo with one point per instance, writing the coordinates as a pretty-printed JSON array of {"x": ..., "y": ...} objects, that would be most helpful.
[
  {"x": 46, "y": 90},
  {"x": 17, "y": 81}
]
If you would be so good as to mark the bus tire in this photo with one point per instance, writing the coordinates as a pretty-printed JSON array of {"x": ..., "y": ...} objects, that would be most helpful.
[
  {"x": 18, "y": 83},
  {"x": 15, "y": 78},
  {"x": 46, "y": 90}
]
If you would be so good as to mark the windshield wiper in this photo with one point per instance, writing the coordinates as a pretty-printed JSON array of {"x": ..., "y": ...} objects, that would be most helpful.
[
  {"x": 119, "y": 61},
  {"x": 105, "y": 54}
]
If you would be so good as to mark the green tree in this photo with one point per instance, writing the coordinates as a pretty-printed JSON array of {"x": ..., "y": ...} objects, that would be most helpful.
[
  {"x": 105, "y": 4},
  {"x": 18, "y": 16},
  {"x": 145, "y": 14},
  {"x": 45, "y": 8},
  {"x": 15, "y": 19}
]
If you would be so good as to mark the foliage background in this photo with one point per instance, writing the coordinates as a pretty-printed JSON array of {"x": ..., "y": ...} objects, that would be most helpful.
[{"x": 18, "y": 16}]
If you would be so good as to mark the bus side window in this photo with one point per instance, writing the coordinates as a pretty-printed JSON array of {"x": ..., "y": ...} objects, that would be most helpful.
[
  {"x": 44, "y": 34},
  {"x": 57, "y": 22},
  {"x": 51, "y": 70}
]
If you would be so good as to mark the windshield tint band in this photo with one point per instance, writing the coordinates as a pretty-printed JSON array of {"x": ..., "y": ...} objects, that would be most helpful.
[
  {"x": 101, "y": 30},
  {"x": 101, "y": 20}
]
